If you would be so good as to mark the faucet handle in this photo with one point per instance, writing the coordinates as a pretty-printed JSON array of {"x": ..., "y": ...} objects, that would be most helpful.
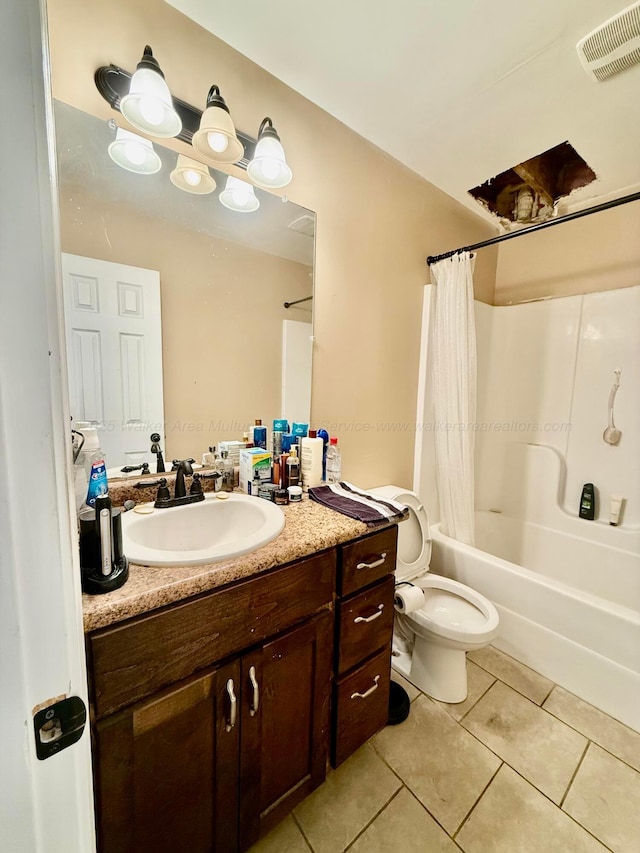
[
  {"x": 163, "y": 491},
  {"x": 196, "y": 485}
]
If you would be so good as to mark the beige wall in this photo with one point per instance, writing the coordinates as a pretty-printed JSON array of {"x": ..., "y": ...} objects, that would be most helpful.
[
  {"x": 377, "y": 221},
  {"x": 597, "y": 252},
  {"x": 222, "y": 312}
]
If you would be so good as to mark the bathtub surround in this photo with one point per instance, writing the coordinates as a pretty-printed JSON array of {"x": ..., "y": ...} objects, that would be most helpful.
[
  {"x": 454, "y": 366},
  {"x": 567, "y": 589},
  {"x": 544, "y": 375}
]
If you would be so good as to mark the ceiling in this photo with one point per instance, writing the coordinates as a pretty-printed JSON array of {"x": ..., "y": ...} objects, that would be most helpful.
[{"x": 457, "y": 91}]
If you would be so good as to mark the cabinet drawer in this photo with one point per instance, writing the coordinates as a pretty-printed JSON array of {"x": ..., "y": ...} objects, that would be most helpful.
[
  {"x": 134, "y": 660},
  {"x": 367, "y": 560},
  {"x": 361, "y": 706},
  {"x": 365, "y": 624}
]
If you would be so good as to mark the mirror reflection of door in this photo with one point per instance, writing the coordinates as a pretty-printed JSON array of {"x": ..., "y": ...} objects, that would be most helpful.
[{"x": 114, "y": 354}]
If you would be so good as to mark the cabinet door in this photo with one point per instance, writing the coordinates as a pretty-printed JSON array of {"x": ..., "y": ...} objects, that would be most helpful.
[
  {"x": 284, "y": 725},
  {"x": 166, "y": 770}
]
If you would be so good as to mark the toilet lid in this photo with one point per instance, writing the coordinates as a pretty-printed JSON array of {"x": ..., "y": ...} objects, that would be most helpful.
[{"x": 414, "y": 539}]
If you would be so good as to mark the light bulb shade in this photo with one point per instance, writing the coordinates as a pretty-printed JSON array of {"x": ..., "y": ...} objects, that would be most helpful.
[
  {"x": 216, "y": 140},
  {"x": 239, "y": 196},
  {"x": 268, "y": 167},
  {"x": 192, "y": 177},
  {"x": 134, "y": 153},
  {"x": 148, "y": 106}
]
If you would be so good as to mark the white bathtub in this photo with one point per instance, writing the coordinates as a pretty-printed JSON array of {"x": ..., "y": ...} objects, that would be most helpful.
[{"x": 569, "y": 607}]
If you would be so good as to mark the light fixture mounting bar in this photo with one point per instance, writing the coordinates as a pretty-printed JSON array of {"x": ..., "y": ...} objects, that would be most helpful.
[{"x": 113, "y": 84}]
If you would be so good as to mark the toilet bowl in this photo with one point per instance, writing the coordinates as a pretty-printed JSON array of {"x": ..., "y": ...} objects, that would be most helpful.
[{"x": 430, "y": 644}]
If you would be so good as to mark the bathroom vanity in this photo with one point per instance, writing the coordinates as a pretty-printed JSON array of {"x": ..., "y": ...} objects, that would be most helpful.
[{"x": 218, "y": 692}]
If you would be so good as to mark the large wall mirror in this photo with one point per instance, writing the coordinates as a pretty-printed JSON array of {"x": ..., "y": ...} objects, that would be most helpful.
[{"x": 175, "y": 305}]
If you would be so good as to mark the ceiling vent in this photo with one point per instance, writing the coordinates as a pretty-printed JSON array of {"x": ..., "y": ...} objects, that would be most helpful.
[
  {"x": 305, "y": 224},
  {"x": 612, "y": 47}
]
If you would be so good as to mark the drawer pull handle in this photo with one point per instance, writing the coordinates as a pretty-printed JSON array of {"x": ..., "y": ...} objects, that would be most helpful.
[
  {"x": 255, "y": 704},
  {"x": 233, "y": 706},
  {"x": 373, "y": 565},
  {"x": 368, "y": 692},
  {"x": 372, "y": 617}
]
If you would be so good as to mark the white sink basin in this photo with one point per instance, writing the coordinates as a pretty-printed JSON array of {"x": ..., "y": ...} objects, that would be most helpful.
[{"x": 204, "y": 532}]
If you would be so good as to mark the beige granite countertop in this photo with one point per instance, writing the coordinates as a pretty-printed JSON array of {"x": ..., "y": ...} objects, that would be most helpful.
[{"x": 309, "y": 527}]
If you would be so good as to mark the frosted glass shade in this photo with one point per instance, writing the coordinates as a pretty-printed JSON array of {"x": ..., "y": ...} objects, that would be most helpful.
[
  {"x": 149, "y": 107},
  {"x": 239, "y": 196},
  {"x": 134, "y": 153},
  {"x": 216, "y": 140},
  {"x": 192, "y": 177},
  {"x": 269, "y": 168}
]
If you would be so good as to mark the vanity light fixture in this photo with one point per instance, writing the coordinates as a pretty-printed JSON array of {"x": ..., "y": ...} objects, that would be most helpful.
[
  {"x": 134, "y": 153},
  {"x": 191, "y": 176},
  {"x": 148, "y": 106},
  {"x": 216, "y": 140},
  {"x": 240, "y": 196},
  {"x": 269, "y": 168}
]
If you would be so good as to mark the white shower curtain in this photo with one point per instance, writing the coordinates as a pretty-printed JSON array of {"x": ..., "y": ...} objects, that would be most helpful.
[{"x": 454, "y": 392}]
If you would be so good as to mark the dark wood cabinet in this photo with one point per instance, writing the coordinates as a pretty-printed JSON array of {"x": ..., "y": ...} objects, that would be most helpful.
[
  {"x": 284, "y": 743},
  {"x": 212, "y": 764},
  {"x": 364, "y": 628},
  {"x": 166, "y": 770},
  {"x": 211, "y": 718}
]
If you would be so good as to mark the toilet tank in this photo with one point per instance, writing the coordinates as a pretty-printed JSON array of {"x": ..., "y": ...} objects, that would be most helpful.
[{"x": 414, "y": 537}]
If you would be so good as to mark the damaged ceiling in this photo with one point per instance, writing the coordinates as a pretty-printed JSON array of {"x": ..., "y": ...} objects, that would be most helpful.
[{"x": 459, "y": 92}]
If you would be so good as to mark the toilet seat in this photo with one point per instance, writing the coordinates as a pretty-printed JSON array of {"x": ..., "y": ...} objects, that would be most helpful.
[{"x": 455, "y": 611}]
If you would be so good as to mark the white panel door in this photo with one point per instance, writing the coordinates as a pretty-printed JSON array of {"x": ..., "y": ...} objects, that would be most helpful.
[
  {"x": 114, "y": 350},
  {"x": 297, "y": 348}
]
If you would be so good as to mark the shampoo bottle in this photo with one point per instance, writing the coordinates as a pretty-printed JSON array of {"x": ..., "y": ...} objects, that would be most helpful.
[
  {"x": 588, "y": 502},
  {"x": 311, "y": 462}
]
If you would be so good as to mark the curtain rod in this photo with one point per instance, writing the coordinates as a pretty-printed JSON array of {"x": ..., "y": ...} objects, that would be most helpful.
[
  {"x": 297, "y": 302},
  {"x": 432, "y": 259}
]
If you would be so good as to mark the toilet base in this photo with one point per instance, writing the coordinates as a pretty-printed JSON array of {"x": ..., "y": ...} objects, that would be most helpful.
[{"x": 438, "y": 671}]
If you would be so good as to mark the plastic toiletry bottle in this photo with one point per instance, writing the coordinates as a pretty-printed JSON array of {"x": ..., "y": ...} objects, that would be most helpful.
[
  {"x": 588, "y": 502},
  {"x": 615, "y": 507},
  {"x": 334, "y": 462},
  {"x": 293, "y": 468},
  {"x": 280, "y": 426},
  {"x": 324, "y": 435},
  {"x": 226, "y": 469},
  {"x": 311, "y": 460},
  {"x": 260, "y": 435}
]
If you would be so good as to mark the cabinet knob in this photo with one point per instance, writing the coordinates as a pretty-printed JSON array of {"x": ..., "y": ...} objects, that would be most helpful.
[
  {"x": 372, "y": 617},
  {"x": 255, "y": 702},
  {"x": 233, "y": 706},
  {"x": 368, "y": 692},
  {"x": 375, "y": 563}
]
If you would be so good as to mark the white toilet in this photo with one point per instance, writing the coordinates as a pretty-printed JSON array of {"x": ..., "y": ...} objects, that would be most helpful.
[{"x": 430, "y": 644}]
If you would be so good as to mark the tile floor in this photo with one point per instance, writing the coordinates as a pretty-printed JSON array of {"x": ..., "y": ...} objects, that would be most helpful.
[{"x": 521, "y": 766}]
